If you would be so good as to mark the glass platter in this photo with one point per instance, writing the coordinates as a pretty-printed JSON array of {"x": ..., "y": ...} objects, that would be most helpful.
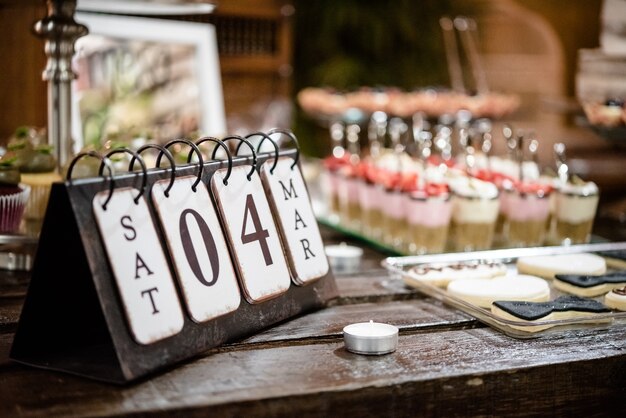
[{"x": 400, "y": 266}]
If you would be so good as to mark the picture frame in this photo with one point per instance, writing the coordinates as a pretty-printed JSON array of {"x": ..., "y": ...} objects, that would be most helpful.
[{"x": 141, "y": 76}]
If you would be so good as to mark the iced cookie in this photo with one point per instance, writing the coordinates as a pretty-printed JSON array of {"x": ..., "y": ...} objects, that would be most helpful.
[
  {"x": 549, "y": 265},
  {"x": 483, "y": 292},
  {"x": 441, "y": 274},
  {"x": 615, "y": 259},
  {"x": 564, "y": 307},
  {"x": 616, "y": 299},
  {"x": 589, "y": 286}
]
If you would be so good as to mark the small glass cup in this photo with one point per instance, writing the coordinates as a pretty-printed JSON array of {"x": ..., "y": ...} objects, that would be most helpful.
[
  {"x": 576, "y": 207},
  {"x": 527, "y": 213},
  {"x": 428, "y": 219},
  {"x": 350, "y": 208},
  {"x": 475, "y": 206},
  {"x": 371, "y": 198},
  {"x": 394, "y": 218}
]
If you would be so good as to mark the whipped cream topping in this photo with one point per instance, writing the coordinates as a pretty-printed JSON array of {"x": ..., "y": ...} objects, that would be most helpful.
[
  {"x": 576, "y": 203},
  {"x": 393, "y": 162},
  {"x": 510, "y": 168},
  {"x": 586, "y": 189},
  {"x": 473, "y": 188}
]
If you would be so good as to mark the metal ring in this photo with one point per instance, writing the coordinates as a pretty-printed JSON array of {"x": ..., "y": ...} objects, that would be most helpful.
[
  {"x": 293, "y": 138},
  {"x": 258, "y": 147},
  {"x": 141, "y": 162},
  {"x": 195, "y": 149},
  {"x": 242, "y": 139},
  {"x": 105, "y": 161},
  {"x": 221, "y": 144},
  {"x": 169, "y": 157}
]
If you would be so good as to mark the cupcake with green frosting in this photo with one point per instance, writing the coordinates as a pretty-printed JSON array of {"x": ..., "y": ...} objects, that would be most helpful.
[
  {"x": 13, "y": 195},
  {"x": 38, "y": 169}
]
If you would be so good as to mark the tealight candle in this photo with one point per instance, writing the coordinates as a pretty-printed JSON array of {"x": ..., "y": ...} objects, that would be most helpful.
[
  {"x": 371, "y": 338},
  {"x": 344, "y": 258}
]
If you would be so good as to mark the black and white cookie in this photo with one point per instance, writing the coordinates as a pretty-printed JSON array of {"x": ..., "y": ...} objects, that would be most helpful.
[
  {"x": 441, "y": 274},
  {"x": 616, "y": 299},
  {"x": 589, "y": 285},
  {"x": 615, "y": 259},
  {"x": 564, "y": 307}
]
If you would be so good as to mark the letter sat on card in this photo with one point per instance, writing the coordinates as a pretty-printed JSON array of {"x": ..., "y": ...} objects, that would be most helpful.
[
  {"x": 139, "y": 266},
  {"x": 250, "y": 229},
  {"x": 294, "y": 216}
]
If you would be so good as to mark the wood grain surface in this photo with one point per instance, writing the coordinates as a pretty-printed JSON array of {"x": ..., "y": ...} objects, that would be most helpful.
[
  {"x": 447, "y": 364},
  {"x": 450, "y": 372}
]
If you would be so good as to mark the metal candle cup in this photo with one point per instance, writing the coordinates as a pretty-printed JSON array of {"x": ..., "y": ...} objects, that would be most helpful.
[
  {"x": 370, "y": 338},
  {"x": 344, "y": 258}
]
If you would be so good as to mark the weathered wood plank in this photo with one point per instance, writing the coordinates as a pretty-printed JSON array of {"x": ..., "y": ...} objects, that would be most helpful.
[
  {"x": 415, "y": 315},
  {"x": 10, "y": 309},
  {"x": 14, "y": 283},
  {"x": 476, "y": 371},
  {"x": 375, "y": 286}
]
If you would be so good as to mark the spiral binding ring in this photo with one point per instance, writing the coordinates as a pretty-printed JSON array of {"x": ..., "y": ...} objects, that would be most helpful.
[
  {"x": 169, "y": 157},
  {"x": 221, "y": 144},
  {"x": 195, "y": 149},
  {"x": 144, "y": 180},
  {"x": 243, "y": 140},
  {"x": 293, "y": 138},
  {"x": 258, "y": 147},
  {"x": 104, "y": 161}
]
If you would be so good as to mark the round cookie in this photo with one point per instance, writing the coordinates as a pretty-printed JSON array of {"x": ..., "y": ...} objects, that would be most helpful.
[
  {"x": 616, "y": 299},
  {"x": 441, "y": 274},
  {"x": 547, "y": 266},
  {"x": 483, "y": 292}
]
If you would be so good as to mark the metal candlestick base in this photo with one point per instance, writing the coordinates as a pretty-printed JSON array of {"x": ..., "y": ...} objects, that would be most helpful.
[{"x": 60, "y": 31}]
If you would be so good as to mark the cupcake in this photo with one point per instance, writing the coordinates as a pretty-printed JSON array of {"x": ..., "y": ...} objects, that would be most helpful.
[
  {"x": 37, "y": 166},
  {"x": 39, "y": 173},
  {"x": 13, "y": 196}
]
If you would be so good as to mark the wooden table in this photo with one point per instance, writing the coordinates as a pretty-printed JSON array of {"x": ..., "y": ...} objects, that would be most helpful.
[{"x": 447, "y": 364}]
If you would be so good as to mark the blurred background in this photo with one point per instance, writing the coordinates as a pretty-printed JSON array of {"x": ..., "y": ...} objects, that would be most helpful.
[{"x": 269, "y": 50}]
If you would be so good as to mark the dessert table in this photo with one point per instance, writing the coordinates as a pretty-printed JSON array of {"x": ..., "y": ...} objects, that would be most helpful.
[{"x": 446, "y": 364}]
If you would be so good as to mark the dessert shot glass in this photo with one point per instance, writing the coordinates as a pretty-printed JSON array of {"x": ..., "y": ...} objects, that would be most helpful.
[{"x": 576, "y": 206}]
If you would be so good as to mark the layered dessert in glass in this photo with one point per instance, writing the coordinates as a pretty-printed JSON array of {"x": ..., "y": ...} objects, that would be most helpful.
[
  {"x": 576, "y": 206},
  {"x": 527, "y": 212},
  {"x": 348, "y": 190},
  {"x": 428, "y": 213},
  {"x": 371, "y": 199},
  {"x": 393, "y": 209},
  {"x": 331, "y": 174},
  {"x": 475, "y": 207}
]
